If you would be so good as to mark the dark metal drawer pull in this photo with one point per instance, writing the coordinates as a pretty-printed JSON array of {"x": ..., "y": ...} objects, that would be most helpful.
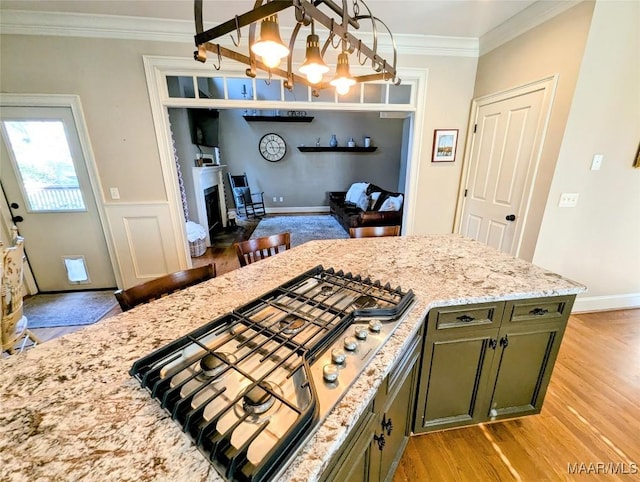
[
  {"x": 387, "y": 425},
  {"x": 465, "y": 318},
  {"x": 539, "y": 311},
  {"x": 381, "y": 441}
]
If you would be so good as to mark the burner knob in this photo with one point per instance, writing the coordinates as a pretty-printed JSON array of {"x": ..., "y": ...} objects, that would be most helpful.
[
  {"x": 350, "y": 343},
  {"x": 361, "y": 333},
  {"x": 330, "y": 373},
  {"x": 375, "y": 326},
  {"x": 338, "y": 356}
]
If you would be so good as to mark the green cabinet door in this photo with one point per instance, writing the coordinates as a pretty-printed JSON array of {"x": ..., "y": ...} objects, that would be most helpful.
[
  {"x": 454, "y": 378},
  {"x": 522, "y": 369}
]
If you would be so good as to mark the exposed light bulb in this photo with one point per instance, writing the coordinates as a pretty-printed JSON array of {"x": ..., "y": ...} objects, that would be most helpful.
[
  {"x": 342, "y": 86},
  {"x": 314, "y": 77},
  {"x": 271, "y": 60}
]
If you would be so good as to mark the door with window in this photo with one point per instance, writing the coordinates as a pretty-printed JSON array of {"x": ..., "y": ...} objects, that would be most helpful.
[{"x": 46, "y": 185}]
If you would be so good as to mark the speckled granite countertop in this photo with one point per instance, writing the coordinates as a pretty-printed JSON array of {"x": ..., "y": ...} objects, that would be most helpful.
[{"x": 70, "y": 411}]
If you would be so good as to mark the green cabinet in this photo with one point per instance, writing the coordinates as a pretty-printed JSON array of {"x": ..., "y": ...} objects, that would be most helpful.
[
  {"x": 375, "y": 446},
  {"x": 488, "y": 361}
]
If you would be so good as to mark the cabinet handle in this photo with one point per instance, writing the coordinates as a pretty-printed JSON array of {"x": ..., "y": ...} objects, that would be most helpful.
[
  {"x": 465, "y": 318},
  {"x": 539, "y": 311},
  {"x": 387, "y": 425},
  {"x": 493, "y": 343},
  {"x": 504, "y": 341},
  {"x": 381, "y": 441}
]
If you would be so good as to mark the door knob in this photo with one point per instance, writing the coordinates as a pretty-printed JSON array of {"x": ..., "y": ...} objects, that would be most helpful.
[
  {"x": 17, "y": 219},
  {"x": 511, "y": 217}
]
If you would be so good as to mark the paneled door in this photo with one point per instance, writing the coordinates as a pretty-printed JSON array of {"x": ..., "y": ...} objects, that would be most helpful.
[
  {"x": 502, "y": 166},
  {"x": 46, "y": 184}
]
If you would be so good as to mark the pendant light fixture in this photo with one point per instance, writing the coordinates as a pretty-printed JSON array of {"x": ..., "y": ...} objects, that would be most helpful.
[
  {"x": 343, "y": 79},
  {"x": 313, "y": 66},
  {"x": 339, "y": 18},
  {"x": 270, "y": 47}
]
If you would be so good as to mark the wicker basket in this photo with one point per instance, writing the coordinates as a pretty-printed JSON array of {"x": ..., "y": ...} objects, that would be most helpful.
[{"x": 197, "y": 247}]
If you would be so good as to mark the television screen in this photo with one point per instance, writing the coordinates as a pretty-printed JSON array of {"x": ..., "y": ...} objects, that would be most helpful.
[{"x": 204, "y": 127}]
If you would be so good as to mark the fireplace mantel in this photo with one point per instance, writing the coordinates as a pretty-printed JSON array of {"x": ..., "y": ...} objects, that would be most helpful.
[{"x": 205, "y": 178}]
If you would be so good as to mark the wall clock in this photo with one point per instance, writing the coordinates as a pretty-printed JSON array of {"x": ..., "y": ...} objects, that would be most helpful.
[{"x": 272, "y": 147}]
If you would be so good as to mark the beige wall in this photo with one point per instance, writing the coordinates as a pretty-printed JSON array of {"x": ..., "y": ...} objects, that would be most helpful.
[
  {"x": 555, "y": 47},
  {"x": 598, "y": 242}
]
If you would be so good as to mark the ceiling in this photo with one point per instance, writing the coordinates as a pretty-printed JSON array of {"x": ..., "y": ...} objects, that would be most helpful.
[{"x": 451, "y": 18}]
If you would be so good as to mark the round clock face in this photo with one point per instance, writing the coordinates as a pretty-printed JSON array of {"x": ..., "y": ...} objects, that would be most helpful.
[{"x": 272, "y": 147}]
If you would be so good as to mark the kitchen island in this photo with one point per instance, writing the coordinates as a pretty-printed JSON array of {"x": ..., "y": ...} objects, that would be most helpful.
[{"x": 70, "y": 410}]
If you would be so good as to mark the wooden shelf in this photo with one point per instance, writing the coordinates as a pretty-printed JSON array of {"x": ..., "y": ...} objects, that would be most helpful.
[
  {"x": 276, "y": 118},
  {"x": 337, "y": 149}
]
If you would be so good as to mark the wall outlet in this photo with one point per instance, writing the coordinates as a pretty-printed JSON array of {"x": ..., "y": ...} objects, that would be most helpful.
[
  {"x": 568, "y": 199},
  {"x": 275, "y": 199},
  {"x": 281, "y": 199},
  {"x": 115, "y": 192}
]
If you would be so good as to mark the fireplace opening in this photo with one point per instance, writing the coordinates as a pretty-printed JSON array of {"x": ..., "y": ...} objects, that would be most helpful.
[{"x": 212, "y": 205}]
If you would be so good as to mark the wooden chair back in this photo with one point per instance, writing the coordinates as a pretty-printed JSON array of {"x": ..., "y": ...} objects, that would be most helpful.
[
  {"x": 257, "y": 249},
  {"x": 374, "y": 231},
  {"x": 156, "y": 288}
]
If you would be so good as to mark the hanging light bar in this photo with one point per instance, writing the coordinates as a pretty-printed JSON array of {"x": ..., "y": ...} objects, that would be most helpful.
[{"x": 266, "y": 52}]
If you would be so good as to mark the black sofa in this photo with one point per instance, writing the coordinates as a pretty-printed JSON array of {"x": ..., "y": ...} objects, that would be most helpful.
[{"x": 351, "y": 216}]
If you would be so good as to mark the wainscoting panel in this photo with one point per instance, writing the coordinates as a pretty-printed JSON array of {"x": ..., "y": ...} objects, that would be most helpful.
[{"x": 145, "y": 242}]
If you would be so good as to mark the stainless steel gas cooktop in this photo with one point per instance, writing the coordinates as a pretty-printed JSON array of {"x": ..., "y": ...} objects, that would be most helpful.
[{"x": 252, "y": 385}]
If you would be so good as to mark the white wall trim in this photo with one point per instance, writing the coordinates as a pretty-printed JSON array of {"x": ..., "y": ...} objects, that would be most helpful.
[
  {"x": 22, "y": 22},
  {"x": 606, "y": 303},
  {"x": 532, "y": 16},
  {"x": 299, "y": 209}
]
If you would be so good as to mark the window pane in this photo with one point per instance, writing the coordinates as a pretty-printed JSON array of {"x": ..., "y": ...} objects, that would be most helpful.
[
  {"x": 210, "y": 88},
  {"x": 352, "y": 96},
  {"x": 45, "y": 165},
  {"x": 299, "y": 93},
  {"x": 399, "y": 94},
  {"x": 240, "y": 89},
  {"x": 326, "y": 95},
  {"x": 268, "y": 92},
  {"x": 374, "y": 93},
  {"x": 181, "y": 87}
]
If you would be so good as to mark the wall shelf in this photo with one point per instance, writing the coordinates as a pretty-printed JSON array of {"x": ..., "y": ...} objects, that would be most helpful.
[
  {"x": 337, "y": 149},
  {"x": 277, "y": 118}
]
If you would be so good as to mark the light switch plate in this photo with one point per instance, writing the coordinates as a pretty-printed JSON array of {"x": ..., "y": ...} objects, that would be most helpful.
[
  {"x": 115, "y": 192},
  {"x": 596, "y": 163},
  {"x": 568, "y": 199}
]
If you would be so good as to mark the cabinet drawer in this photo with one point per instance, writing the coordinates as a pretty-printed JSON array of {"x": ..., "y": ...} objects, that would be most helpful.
[
  {"x": 538, "y": 310},
  {"x": 468, "y": 316}
]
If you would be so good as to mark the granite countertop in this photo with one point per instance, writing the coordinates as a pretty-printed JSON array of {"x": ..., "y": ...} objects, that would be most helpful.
[{"x": 70, "y": 410}]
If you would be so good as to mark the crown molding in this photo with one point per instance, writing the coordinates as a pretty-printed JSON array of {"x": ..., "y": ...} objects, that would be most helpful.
[
  {"x": 532, "y": 16},
  {"x": 21, "y": 22}
]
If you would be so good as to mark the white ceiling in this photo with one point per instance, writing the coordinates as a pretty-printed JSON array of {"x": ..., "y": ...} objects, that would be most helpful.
[{"x": 451, "y": 18}]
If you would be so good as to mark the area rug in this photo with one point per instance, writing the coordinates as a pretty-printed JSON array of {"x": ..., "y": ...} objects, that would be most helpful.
[
  {"x": 302, "y": 228},
  {"x": 67, "y": 309}
]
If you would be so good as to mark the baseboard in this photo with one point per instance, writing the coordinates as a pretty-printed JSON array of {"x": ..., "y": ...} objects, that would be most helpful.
[
  {"x": 294, "y": 210},
  {"x": 605, "y": 303}
]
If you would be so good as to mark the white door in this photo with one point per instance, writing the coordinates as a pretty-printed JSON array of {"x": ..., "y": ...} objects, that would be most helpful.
[
  {"x": 46, "y": 185},
  {"x": 501, "y": 166}
]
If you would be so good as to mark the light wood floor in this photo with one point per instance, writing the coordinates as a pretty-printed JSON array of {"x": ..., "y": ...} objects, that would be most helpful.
[{"x": 591, "y": 415}]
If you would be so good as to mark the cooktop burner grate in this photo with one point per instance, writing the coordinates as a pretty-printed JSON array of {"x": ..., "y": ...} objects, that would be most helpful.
[{"x": 242, "y": 386}]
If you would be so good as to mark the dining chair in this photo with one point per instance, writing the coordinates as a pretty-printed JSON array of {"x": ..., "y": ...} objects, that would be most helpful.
[
  {"x": 257, "y": 249},
  {"x": 374, "y": 231},
  {"x": 164, "y": 285}
]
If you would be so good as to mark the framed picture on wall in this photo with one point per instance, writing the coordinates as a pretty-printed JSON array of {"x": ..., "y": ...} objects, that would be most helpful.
[{"x": 444, "y": 145}]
